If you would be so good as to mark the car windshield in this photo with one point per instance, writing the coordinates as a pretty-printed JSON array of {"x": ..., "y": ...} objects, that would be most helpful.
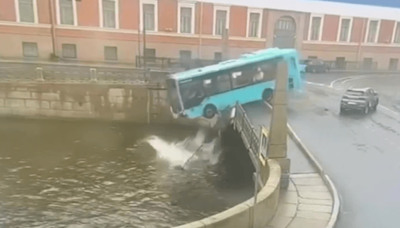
[{"x": 355, "y": 93}]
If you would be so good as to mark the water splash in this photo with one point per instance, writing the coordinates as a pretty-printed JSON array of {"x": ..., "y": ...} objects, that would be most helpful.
[{"x": 178, "y": 153}]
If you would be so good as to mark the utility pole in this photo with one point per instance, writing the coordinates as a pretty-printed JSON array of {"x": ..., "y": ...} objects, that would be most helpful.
[
  {"x": 53, "y": 28},
  {"x": 225, "y": 44},
  {"x": 138, "y": 63},
  {"x": 144, "y": 44},
  {"x": 144, "y": 40}
]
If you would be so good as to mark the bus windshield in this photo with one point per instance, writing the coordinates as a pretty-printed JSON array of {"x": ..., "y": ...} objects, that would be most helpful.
[
  {"x": 173, "y": 95},
  {"x": 192, "y": 93}
]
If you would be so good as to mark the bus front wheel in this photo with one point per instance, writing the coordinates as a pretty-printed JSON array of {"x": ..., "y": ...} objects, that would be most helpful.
[
  {"x": 210, "y": 111},
  {"x": 267, "y": 95}
]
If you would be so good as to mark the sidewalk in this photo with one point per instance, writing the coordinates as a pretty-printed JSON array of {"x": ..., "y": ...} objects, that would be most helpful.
[{"x": 307, "y": 203}]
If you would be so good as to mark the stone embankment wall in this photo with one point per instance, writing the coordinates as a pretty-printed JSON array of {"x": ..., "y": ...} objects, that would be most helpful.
[{"x": 134, "y": 103}]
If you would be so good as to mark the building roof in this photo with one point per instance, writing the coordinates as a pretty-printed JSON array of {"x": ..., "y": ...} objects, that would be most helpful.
[
  {"x": 257, "y": 56},
  {"x": 319, "y": 7}
]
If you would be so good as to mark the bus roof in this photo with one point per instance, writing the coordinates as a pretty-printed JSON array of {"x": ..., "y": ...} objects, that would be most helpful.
[{"x": 244, "y": 59}]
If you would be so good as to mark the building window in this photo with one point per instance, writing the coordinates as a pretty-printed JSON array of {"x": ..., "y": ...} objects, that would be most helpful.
[
  {"x": 110, "y": 53},
  {"x": 393, "y": 64},
  {"x": 185, "y": 55},
  {"x": 149, "y": 17},
  {"x": 396, "y": 37},
  {"x": 150, "y": 54},
  {"x": 217, "y": 56},
  {"x": 67, "y": 12},
  {"x": 69, "y": 51},
  {"x": 186, "y": 19},
  {"x": 340, "y": 63},
  {"x": 373, "y": 30},
  {"x": 26, "y": 11},
  {"x": 109, "y": 13},
  {"x": 315, "y": 32},
  {"x": 30, "y": 49},
  {"x": 254, "y": 19},
  {"x": 220, "y": 22},
  {"x": 221, "y": 19},
  {"x": 367, "y": 63},
  {"x": 345, "y": 30}
]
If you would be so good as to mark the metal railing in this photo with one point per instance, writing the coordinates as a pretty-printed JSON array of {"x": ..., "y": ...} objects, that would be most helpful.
[
  {"x": 351, "y": 65},
  {"x": 249, "y": 135},
  {"x": 59, "y": 73},
  {"x": 172, "y": 63}
]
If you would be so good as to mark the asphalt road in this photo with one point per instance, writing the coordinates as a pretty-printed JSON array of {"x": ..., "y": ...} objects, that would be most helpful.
[{"x": 360, "y": 153}]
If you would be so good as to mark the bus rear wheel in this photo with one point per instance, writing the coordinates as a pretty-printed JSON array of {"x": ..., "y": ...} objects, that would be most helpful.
[
  {"x": 210, "y": 111},
  {"x": 267, "y": 95}
]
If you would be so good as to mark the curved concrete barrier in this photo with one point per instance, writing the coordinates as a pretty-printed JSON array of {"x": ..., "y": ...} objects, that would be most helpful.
[
  {"x": 241, "y": 215},
  {"x": 326, "y": 178}
]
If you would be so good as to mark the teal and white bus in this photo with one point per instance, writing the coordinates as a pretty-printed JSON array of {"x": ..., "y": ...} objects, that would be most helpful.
[{"x": 206, "y": 91}]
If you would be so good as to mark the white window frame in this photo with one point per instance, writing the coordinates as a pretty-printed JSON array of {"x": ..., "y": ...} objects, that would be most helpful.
[
  {"x": 394, "y": 32},
  {"x": 74, "y": 12},
  {"x": 225, "y": 8},
  {"x": 340, "y": 29},
  {"x": 321, "y": 27},
  {"x": 35, "y": 12},
  {"x": 377, "y": 31},
  {"x": 186, "y": 5},
  {"x": 155, "y": 3},
  {"x": 254, "y": 10},
  {"x": 116, "y": 14}
]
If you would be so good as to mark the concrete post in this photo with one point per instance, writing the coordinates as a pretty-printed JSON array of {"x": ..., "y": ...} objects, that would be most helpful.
[
  {"x": 277, "y": 142},
  {"x": 39, "y": 74},
  {"x": 93, "y": 74}
]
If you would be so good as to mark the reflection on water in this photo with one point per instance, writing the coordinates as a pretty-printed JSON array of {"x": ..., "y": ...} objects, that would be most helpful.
[{"x": 79, "y": 174}]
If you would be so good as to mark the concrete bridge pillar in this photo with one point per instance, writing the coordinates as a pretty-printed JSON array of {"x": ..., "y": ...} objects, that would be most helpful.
[{"x": 277, "y": 140}]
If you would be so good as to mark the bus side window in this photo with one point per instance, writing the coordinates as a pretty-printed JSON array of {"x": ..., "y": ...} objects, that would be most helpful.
[
  {"x": 223, "y": 83},
  {"x": 208, "y": 87},
  {"x": 270, "y": 70},
  {"x": 243, "y": 78}
]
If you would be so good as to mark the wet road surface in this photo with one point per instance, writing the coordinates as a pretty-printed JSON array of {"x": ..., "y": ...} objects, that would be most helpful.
[
  {"x": 79, "y": 174},
  {"x": 360, "y": 153},
  {"x": 260, "y": 114}
]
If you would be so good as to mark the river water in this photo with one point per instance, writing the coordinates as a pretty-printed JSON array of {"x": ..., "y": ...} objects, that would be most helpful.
[{"x": 97, "y": 174}]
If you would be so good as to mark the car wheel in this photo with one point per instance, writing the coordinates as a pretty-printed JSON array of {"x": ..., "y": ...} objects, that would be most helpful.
[
  {"x": 366, "y": 110},
  {"x": 376, "y": 105},
  {"x": 342, "y": 111},
  {"x": 210, "y": 111}
]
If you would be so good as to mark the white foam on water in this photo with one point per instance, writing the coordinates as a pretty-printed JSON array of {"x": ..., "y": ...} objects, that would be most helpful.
[{"x": 178, "y": 153}]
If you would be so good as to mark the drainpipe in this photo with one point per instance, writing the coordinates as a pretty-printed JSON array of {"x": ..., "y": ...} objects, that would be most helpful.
[
  {"x": 53, "y": 28},
  {"x": 362, "y": 37},
  {"x": 200, "y": 28}
]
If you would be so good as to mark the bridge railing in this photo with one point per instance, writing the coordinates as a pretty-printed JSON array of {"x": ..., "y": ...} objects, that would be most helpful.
[{"x": 249, "y": 135}]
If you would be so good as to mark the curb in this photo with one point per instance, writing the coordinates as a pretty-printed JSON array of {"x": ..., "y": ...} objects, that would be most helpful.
[{"x": 325, "y": 177}]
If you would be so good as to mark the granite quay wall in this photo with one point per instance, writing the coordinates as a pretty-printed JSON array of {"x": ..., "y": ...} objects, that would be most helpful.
[
  {"x": 241, "y": 215},
  {"x": 105, "y": 101}
]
